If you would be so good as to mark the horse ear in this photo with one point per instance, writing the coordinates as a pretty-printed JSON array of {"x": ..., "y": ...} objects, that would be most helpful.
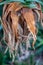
[
  {"x": 38, "y": 5},
  {"x": 40, "y": 12},
  {"x": 37, "y": 11}
]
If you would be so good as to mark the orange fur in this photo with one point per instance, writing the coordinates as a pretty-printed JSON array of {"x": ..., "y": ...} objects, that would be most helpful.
[{"x": 27, "y": 13}]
